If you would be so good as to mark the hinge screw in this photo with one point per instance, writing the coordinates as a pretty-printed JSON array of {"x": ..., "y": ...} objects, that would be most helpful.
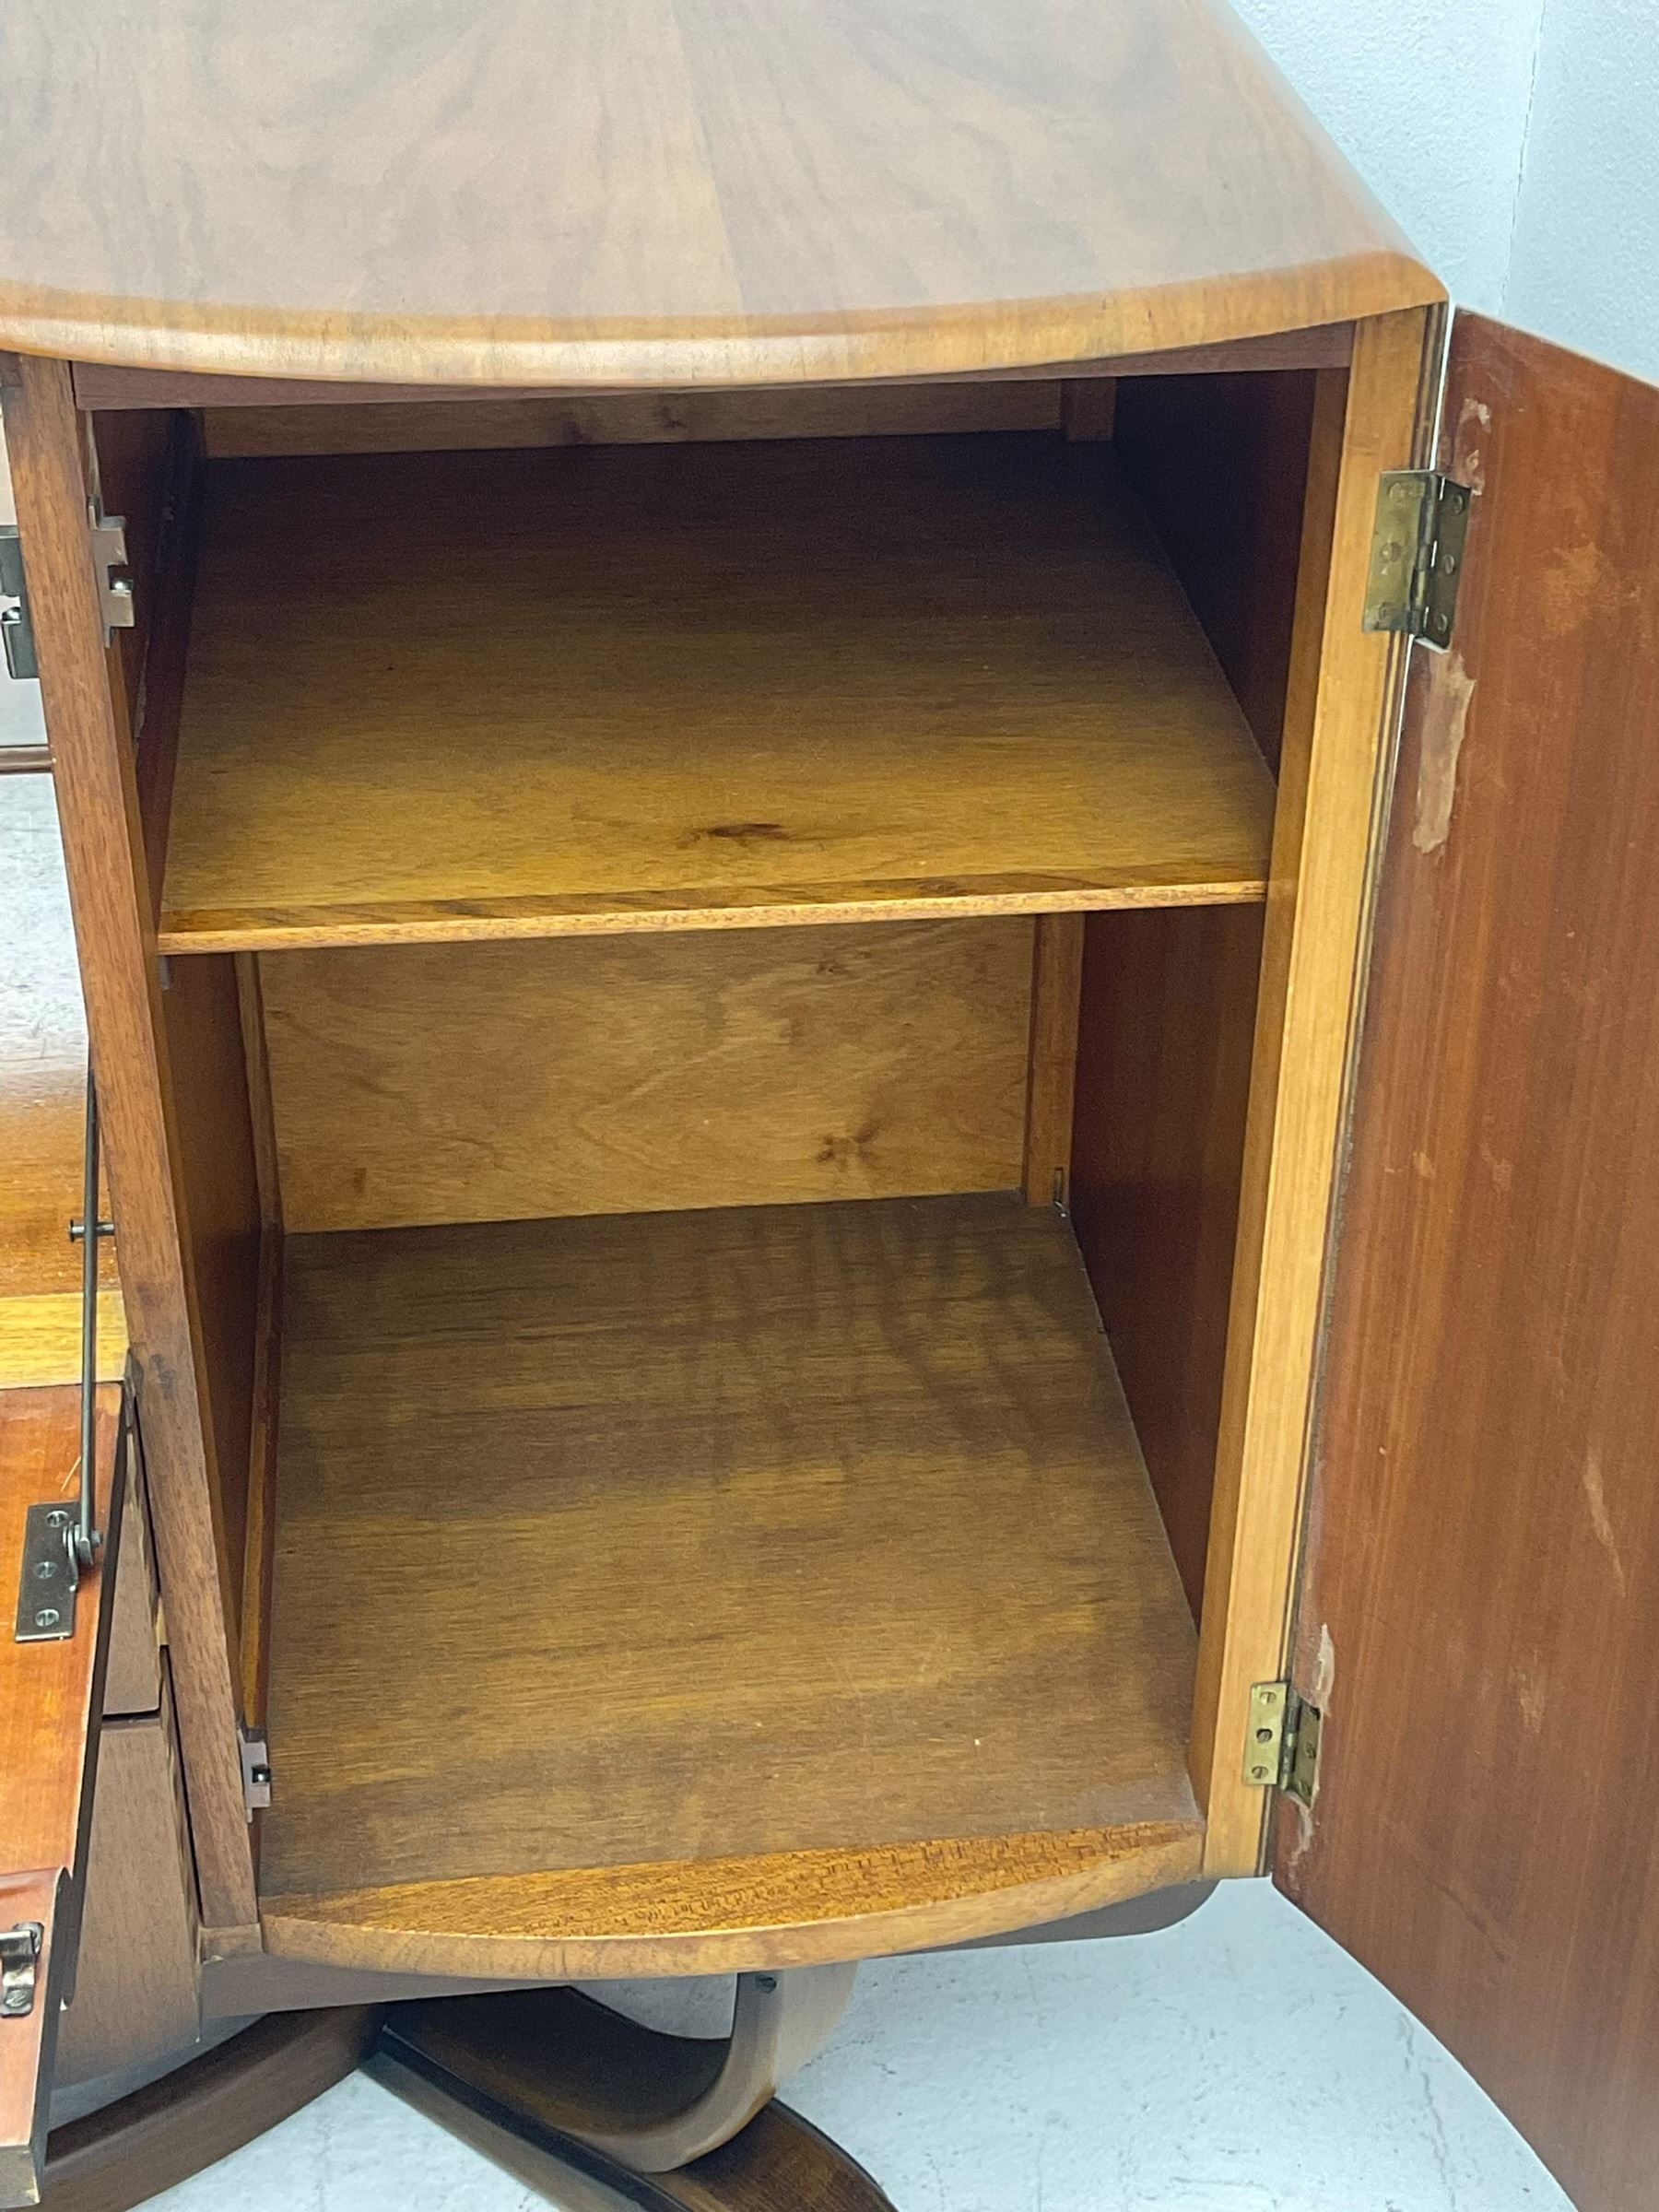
[
  {"x": 17, "y": 2000},
  {"x": 47, "y": 1618}
]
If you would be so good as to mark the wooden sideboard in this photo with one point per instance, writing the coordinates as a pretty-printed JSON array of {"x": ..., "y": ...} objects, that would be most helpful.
[{"x": 874, "y": 1069}]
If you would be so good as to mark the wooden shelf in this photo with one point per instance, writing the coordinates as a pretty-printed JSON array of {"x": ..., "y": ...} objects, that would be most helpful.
[
  {"x": 682, "y": 1592},
  {"x": 510, "y": 694}
]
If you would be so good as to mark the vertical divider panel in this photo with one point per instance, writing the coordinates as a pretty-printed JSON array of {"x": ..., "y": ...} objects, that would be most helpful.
[
  {"x": 86, "y": 714},
  {"x": 1341, "y": 710},
  {"x": 267, "y": 1351},
  {"x": 1056, "y": 994}
]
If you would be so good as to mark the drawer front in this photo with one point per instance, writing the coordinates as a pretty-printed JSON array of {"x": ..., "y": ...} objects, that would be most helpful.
[{"x": 137, "y": 1994}]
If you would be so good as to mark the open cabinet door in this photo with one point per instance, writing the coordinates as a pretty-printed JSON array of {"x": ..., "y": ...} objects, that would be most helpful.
[{"x": 1479, "y": 1612}]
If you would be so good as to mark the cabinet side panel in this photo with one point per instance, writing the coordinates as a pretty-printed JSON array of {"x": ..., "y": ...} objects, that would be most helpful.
[
  {"x": 84, "y": 704},
  {"x": 1480, "y": 1613},
  {"x": 1163, "y": 1082},
  {"x": 1220, "y": 464},
  {"x": 221, "y": 1194}
]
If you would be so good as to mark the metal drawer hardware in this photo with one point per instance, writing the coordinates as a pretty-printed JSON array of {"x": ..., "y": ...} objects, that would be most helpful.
[
  {"x": 20, "y": 1962},
  {"x": 60, "y": 1540}
]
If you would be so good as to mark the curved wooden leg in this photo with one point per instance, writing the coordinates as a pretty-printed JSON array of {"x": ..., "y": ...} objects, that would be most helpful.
[
  {"x": 133, "y": 2149},
  {"x": 650, "y": 2102},
  {"x": 778, "y": 2162}
]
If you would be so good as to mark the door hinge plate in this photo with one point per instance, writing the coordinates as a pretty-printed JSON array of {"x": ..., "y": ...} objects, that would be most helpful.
[
  {"x": 19, "y": 1968},
  {"x": 51, "y": 1575},
  {"x": 1418, "y": 554},
  {"x": 1281, "y": 1749},
  {"x": 256, "y": 1772},
  {"x": 15, "y": 626}
]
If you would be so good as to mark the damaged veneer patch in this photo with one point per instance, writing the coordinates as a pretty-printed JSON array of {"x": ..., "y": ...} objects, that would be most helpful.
[{"x": 1449, "y": 693}]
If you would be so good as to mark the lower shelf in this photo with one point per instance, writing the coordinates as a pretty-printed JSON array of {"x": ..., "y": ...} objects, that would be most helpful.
[{"x": 696, "y": 1590}]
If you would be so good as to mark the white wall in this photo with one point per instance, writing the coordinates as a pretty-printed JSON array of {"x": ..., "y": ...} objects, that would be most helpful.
[
  {"x": 1429, "y": 99},
  {"x": 1586, "y": 267},
  {"x": 1515, "y": 141}
]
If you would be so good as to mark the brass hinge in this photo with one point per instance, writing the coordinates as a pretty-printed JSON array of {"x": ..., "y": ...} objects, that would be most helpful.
[
  {"x": 1418, "y": 554},
  {"x": 1282, "y": 1749}
]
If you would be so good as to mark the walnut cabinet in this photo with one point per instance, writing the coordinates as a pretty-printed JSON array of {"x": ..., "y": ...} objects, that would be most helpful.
[{"x": 875, "y": 1174}]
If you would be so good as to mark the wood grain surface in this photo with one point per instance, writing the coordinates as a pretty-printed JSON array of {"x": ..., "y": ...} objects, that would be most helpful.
[
  {"x": 49, "y": 1692},
  {"x": 713, "y": 1916},
  {"x": 653, "y": 191},
  {"x": 48, "y": 1699},
  {"x": 1482, "y": 1601},
  {"x": 1163, "y": 1088},
  {"x": 136, "y": 1997},
  {"x": 421, "y": 1084},
  {"x": 132, "y": 1678},
  {"x": 360, "y": 425},
  {"x": 98, "y": 385},
  {"x": 86, "y": 706},
  {"x": 41, "y": 1338},
  {"x": 43, "y": 1052},
  {"x": 132, "y": 2150},
  {"x": 656, "y": 687},
  {"x": 544, "y": 2081},
  {"x": 1220, "y": 464},
  {"x": 1056, "y": 987},
  {"x": 1343, "y": 688},
  {"x": 726, "y": 1535}
]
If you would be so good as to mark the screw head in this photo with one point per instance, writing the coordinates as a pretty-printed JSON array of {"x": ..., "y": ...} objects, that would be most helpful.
[
  {"x": 47, "y": 1618},
  {"x": 45, "y": 1570},
  {"x": 17, "y": 2000},
  {"x": 58, "y": 1517}
]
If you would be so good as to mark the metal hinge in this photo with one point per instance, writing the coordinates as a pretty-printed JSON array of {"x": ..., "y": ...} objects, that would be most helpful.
[
  {"x": 255, "y": 1772},
  {"x": 1281, "y": 1749},
  {"x": 114, "y": 589},
  {"x": 19, "y": 1968},
  {"x": 50, "y": 1581},
  {"x": 1418, "y": 554},
  {"x": 15, "y": 626}
]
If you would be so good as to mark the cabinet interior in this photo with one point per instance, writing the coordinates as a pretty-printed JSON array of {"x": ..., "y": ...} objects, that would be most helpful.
[{"x": 710, "y": 953}]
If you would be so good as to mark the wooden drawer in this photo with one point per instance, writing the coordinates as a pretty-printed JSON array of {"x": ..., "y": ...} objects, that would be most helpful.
[{"x": 136, "y": 1988}]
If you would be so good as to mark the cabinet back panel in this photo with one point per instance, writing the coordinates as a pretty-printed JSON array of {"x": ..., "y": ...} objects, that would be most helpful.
[
  {"x": 631, "y": 419},
  {"x": 431, "y": 1084}
]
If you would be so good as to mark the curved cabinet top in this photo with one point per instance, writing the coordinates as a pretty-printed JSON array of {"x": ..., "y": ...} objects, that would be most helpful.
[{"x": 668, "y": 192}]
